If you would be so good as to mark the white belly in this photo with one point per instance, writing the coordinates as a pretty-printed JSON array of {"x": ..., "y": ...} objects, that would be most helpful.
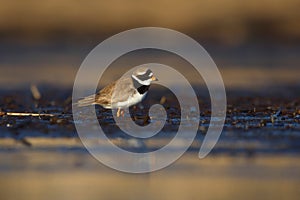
[{"x": 132, "y": 100}]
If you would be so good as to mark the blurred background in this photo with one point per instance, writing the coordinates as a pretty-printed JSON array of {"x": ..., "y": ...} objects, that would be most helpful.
[
  {"x": 57, "y": 35},
  {"x": 256, "y": 46},
  {"x": 228, "y": 22}
]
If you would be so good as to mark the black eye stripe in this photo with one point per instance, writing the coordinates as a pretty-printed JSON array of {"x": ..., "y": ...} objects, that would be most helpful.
[
  {"x": 148, "y": 72},
  {"x": 143, "y": 77}
]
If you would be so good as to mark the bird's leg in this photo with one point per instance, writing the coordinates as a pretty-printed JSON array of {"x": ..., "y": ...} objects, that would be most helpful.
[
  {"x": 118, "y": 112},
  {"x": 122, "y": 112}
]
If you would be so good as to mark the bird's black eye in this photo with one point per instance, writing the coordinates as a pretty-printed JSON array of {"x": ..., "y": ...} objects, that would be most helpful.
[
  {"x": 146, "y": 76},
  {"x": 143, "y": 77}
]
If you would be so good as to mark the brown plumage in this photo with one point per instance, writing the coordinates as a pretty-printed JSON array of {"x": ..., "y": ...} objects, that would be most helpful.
[{"x": 122, "y": 93}]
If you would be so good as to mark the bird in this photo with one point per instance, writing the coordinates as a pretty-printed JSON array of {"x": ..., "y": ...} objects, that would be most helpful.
[{"x": 122, "y": 93}]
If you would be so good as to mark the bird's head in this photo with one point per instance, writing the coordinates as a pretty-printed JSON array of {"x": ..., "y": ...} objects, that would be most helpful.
[{"x": 144, "y": 76}]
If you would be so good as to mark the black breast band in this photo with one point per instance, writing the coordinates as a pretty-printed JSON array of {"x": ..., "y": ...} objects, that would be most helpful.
[
  {"x": 140, "y": 87},
  {"x": 143, "y": 89}
]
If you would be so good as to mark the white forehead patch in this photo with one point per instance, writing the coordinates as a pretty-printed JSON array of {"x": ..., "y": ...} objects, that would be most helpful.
[
  {"x": 141, "y": 72},
  {"x": 150, "y": 74}
]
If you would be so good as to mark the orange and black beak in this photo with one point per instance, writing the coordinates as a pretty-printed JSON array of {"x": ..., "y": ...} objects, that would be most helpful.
[{"x": 154, "y": 78}]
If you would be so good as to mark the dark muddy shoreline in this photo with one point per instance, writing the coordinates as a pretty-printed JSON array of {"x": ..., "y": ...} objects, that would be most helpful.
[{"x": 263, "y": 124}]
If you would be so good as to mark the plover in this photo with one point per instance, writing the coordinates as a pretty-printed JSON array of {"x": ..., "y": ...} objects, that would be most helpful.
[{"x": 123, "y": 93}]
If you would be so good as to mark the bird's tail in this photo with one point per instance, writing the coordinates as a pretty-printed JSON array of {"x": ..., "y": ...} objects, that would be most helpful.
[{"x": 86, "y": 101}]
